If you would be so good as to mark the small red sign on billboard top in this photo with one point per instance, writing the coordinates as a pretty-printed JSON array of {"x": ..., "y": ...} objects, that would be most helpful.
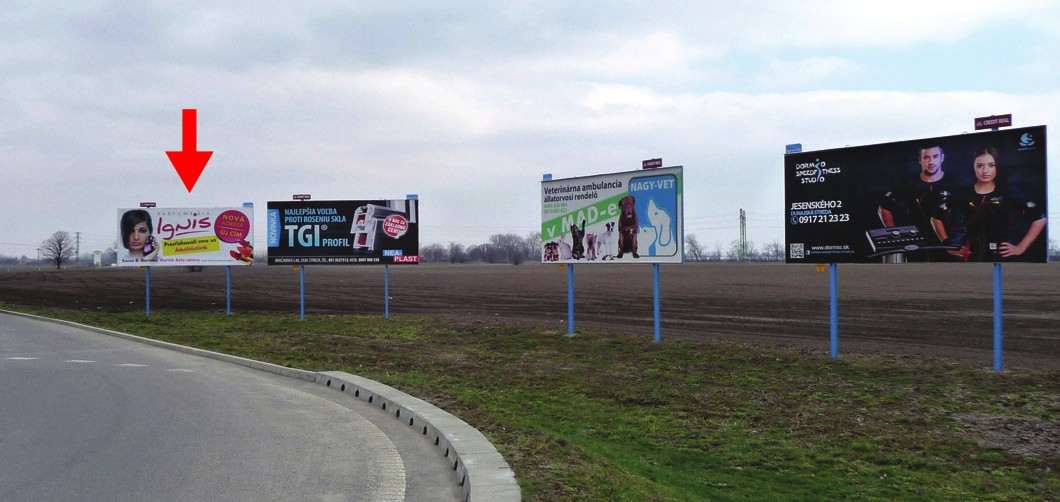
[
  {"x": 651, "y": 164},
  {"x": 300, "y": 196},
  {"x": 395, "y": 225},
  {"x": 993, "y": 121}
]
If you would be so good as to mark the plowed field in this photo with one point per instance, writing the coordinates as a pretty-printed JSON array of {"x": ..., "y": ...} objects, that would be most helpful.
[{"x": 939, "y": 311}]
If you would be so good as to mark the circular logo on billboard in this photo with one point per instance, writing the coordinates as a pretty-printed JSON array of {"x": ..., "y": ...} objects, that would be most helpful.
[
  {"x": 395, "y": 225},
  {"x": 232, "y": 226}
]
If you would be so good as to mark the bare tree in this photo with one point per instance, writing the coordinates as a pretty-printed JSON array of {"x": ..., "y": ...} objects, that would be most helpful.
[
  {"x": 775, "y": 251},
  {"x": 1054, "y": 250},
  {"x": 748, "y": 253},
  {"x": 733, "y": 254},
  {"x": 533, "y": 246},
  {"x": 479, "y": 253},
  {"x": 109, "y": 256},
  {"x": 434, "y": 253},
  {"x": 693, "y": 249},
  {"x": 457, "y": 253},
  {"x": 508, "y": 247},
  {"x": 58, "y": 249}
]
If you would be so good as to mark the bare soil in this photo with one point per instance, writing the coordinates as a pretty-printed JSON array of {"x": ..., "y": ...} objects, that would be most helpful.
[{"x": 922, "y": 311}]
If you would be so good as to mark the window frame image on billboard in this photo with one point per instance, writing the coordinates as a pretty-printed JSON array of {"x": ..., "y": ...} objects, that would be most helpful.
[
  {"x": 186, "y": 236},
  {"x": 343, "y": 232},
  {"x": 627, "y": 217},
  {"x": 977, "y": 197}
]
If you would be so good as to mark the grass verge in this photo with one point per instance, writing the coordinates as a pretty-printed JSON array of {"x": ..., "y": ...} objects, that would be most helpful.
[{"x": 601, "y": 417}]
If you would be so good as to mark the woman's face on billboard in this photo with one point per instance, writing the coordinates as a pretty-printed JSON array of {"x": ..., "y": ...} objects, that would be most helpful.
[
  {"x": 985, "y": 168},
  {"x": 139, "y": 236}
]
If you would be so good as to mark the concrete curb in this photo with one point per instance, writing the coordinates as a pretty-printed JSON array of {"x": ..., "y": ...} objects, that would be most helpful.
[{"x": 479, "y": 469}]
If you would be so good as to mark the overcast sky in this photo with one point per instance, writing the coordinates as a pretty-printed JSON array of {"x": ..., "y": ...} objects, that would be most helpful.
[{"x": 468, "y": 103}]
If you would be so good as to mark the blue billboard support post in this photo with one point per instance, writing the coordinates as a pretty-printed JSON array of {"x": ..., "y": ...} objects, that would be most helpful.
[
  {"x": 655, "y": 267},
  {"x": 833, "y": 302},
  {"x": 228, "y": 272},
  {"x": 570, "y": 299},
  {"x": 228, "y": 288},
  {"x": 386, "y": 291},
  {"x": 147, "y": 293},
  {"x": 301, "y": 287},
  {"x": 997, "y": 317},
  {"x": 997, "y": 303}
]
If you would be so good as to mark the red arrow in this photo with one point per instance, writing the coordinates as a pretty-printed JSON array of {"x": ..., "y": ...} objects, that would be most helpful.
[{"x": 189, "y": 162}]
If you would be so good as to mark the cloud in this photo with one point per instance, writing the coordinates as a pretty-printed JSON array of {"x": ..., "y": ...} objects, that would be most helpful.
[
  {"x": 469, "y": 103},
  {"x": 901, "y": 23},
  {"x": 811, "y": 72}
]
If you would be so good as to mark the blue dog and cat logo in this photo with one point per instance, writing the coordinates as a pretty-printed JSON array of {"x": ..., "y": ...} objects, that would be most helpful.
[{"x": 656, "y": 207}]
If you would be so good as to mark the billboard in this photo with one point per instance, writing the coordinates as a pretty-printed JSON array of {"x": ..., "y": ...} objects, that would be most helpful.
[
  {"x": 629, "y": 217},
  {"x": 343, "y": 232},
  {"x": 967, "y": 198},
  {"x": 186, "y": 236}
]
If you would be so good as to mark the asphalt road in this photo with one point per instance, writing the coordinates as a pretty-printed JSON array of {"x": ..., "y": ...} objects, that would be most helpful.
[{"x": 84, "y": 416}]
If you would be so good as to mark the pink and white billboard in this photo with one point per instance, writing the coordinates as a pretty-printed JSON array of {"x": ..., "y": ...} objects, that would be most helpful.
[{"x": 186, "y": 236}]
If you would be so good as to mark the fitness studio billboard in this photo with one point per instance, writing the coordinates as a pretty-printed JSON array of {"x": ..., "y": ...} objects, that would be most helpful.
[
  {"x": 966, "y": 198},
  {"x": 186, "y": 236},
  {"x": 343, "y": 232},
  {"x": 629, "y": 217}
]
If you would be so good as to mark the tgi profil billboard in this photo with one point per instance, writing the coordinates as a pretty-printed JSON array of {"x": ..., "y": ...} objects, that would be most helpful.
[
  {"x": 628, "y": 217},
  {"x": 967, "y": 198},
  {"x": 343, "y": 232}
]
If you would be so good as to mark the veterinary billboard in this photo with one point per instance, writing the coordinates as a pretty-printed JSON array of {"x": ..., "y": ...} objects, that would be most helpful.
[
  {"x": 967, "y": 198},
  {"x": 344, "y": 232},
  {"x": 629, "y": 217},
  {"x": 186, "y": 236}
]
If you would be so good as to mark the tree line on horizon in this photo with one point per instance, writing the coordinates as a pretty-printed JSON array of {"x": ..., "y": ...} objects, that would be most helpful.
[{"x": 59, "y": 250}]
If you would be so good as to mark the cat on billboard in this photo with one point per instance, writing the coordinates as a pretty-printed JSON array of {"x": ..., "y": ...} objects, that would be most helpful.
[{"x": 625, "y": 217}]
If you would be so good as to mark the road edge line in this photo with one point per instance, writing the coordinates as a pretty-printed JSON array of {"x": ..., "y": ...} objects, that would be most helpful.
[{"x": 480, "y": 470}]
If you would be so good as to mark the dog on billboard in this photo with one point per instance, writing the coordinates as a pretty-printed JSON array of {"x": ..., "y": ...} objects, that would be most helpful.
[
  {"x": 628, "y": 227},
  {"x": 605, "y": 242},
  {"x": 664, "y": 234},
  {"x": 590, "y": 247},
  {"x": 578, "y": 248},
  {"x": 551, "y": 251}
]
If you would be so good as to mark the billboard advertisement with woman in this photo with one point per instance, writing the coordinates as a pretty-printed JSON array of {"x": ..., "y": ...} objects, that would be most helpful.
[
  {"x": 967, "y": 198},
  {"x": 186, "y": 236}
]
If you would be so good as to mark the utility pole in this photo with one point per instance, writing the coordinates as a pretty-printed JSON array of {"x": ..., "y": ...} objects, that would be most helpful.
[
  {"x": 743, "y": 235},
  {"x": 77, "y": 247}
]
